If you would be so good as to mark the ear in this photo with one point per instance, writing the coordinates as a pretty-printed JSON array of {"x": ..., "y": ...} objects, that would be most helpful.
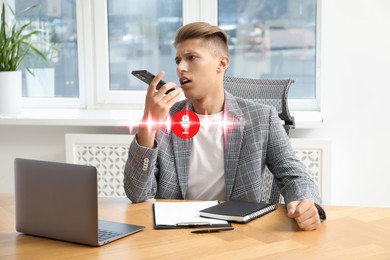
[{"x": 224, "y": 62}]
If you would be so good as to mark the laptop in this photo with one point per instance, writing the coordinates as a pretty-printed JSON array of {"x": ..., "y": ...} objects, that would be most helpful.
[{"x": 59, "y": 201}]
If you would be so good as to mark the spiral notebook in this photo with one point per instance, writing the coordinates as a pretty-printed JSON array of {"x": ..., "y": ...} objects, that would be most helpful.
[{"x": 238, "y": 211}]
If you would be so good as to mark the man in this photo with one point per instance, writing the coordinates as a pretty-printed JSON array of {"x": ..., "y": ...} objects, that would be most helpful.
[{"x": 217, "y": 163}]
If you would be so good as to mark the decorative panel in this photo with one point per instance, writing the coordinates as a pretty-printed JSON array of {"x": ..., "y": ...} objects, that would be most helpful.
[
  {"x": 311, "y": 158},
  {"x": 315, "y": 155},
  {"x": 109, "y": 159},
  {"x": 108, "y": 153}
]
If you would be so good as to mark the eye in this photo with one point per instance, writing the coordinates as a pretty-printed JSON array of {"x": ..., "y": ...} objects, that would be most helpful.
[
  {"x": 177, "y": 61},
  {"x": 191, "y": 57}
]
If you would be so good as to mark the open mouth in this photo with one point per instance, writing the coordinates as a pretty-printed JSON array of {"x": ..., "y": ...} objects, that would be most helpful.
[{"x": 184, "y": 82}]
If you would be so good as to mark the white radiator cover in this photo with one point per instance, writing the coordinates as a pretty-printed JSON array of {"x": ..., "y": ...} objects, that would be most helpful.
[{"x": 108, "y": 153}]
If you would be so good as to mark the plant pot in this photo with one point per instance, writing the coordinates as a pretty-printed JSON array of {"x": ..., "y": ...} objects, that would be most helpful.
[
  {"x": 41, "y": 84},
  {"x": 10, "y": 92}
]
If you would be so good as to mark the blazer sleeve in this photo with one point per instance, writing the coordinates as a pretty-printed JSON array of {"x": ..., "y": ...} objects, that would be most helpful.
[
  {"x": 140, "y": 172},
  {"x": 289, "y": 172}
]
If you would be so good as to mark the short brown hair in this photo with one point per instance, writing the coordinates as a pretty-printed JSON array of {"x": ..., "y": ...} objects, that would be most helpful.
[{"x": 202, "y": 30}]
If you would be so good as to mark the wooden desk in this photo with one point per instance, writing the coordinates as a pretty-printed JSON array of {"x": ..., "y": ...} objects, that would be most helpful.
[{"x": 349, "y": 233}]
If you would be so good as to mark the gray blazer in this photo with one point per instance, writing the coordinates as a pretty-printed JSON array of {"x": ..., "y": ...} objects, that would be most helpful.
[{"x": 257, "y": 139}]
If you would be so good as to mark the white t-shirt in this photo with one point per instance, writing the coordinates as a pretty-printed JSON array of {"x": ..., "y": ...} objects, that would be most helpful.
[{"x": 206, "y": 180}]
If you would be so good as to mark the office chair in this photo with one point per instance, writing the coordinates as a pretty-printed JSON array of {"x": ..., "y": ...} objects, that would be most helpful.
[
  {"x": 269, "y": 92},
  {"x": 266, "y": 91}
]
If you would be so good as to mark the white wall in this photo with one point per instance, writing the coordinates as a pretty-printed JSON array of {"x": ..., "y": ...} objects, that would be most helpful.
[
  {"x": 355, "y": 44},
  {"x": 355, "y": 94}
]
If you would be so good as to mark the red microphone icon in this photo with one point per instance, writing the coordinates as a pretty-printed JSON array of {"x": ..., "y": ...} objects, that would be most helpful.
[{"x": 185, "y": 124}]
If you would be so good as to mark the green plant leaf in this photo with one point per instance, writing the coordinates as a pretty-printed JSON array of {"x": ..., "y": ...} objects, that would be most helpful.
[{"x": 15, "y": 45}]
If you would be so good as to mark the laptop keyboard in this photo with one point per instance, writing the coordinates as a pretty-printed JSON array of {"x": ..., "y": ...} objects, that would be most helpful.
[{"x": 107, "y": 234}]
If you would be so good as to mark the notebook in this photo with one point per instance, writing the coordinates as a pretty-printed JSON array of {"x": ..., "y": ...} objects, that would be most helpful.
[
  {"x": 238, "y": 211},
  {"x": 59, "y": 201}
]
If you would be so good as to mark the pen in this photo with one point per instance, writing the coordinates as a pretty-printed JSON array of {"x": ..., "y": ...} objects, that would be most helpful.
[{"x": 214, "y": 230}]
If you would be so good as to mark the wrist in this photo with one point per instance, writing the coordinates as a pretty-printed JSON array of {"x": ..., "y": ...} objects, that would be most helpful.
[{"x": 145, "y": 136}]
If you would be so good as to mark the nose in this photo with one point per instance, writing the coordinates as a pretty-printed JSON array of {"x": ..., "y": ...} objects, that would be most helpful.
[{"x": 181, "y": 67}]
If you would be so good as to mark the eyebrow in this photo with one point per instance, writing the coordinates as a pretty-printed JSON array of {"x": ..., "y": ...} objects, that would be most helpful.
[{"x": 188, "y": 54}]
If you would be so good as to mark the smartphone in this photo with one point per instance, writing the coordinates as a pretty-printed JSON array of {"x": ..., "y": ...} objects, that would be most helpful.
[{"x": 147, "y": 77}]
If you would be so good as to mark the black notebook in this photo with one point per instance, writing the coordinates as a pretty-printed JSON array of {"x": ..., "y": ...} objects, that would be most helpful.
[{"x": 238, "y": 211}]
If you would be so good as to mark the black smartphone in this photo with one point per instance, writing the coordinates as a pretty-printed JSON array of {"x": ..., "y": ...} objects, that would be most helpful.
[{"x": 147, "y": 77}]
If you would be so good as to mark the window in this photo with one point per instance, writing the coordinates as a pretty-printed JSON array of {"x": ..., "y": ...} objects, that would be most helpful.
[
  {"x": 59, "y": 76},
  {"x": 268, "y": 39},
  {"x": 140, "y": 37},
  {"x": 273, "y": 39}
]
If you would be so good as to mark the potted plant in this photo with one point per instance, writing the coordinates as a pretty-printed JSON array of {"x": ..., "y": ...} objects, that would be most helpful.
[{"x": 15, "y": 44}]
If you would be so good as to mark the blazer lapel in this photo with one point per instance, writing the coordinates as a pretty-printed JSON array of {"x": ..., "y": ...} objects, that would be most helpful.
[
  {"x": 233, "y": 135},
  {"x": 182, "y": 150}
]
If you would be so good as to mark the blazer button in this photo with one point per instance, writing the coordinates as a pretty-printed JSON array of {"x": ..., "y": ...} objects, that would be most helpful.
[{"x": 146, "y": 164}]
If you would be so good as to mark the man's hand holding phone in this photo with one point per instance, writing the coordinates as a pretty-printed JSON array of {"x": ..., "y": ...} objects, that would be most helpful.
[{"x": 157, "y": 106}]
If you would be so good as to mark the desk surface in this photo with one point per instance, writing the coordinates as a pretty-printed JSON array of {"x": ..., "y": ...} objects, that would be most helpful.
[{"x": 349, "y": 233}]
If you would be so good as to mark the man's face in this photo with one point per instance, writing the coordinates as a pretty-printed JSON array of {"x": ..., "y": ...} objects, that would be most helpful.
[{"x": 197, "y": 68}]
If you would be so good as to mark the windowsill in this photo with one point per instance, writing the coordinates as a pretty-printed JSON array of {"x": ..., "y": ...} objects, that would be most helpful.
[
  {"x": 72, "y": 117},
  {"x": 82, "y": 117},
  {"x": 307, "y": 119}
]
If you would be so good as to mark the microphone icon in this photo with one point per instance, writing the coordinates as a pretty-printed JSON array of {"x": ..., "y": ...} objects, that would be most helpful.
[{"x": 185, "y": 124}]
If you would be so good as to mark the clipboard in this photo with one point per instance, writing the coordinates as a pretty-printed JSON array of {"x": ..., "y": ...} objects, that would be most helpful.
[{"x": 173, "y": 215}]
